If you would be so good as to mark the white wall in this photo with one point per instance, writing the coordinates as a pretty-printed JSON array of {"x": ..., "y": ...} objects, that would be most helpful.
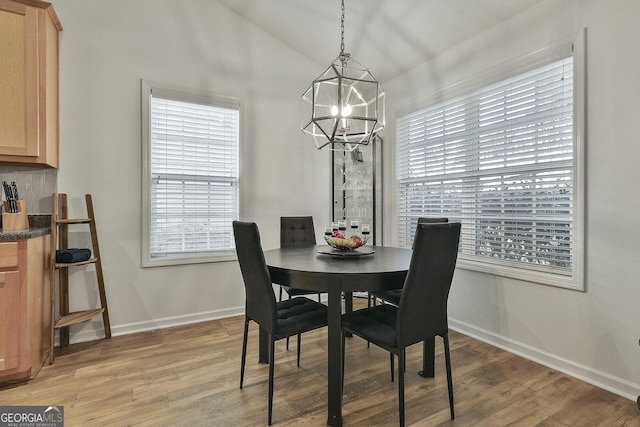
[
  {"x": 106, "y": 47},
  {"x": 594, "y": 334}
]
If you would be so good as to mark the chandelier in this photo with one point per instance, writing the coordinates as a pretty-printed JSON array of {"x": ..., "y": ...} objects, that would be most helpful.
[{"x": 344, "y": 106}]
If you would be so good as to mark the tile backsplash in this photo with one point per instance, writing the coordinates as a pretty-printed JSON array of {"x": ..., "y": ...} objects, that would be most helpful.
[{"x": 35, "y": 186}]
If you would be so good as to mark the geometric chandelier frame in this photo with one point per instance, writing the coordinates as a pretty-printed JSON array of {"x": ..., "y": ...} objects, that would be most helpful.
[{"x": 344, "y": 106}]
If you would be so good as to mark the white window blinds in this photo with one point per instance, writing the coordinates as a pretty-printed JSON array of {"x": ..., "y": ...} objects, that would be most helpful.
[
  {"x": 194, "y": 194},
  {"x": 501, "y": 161}
]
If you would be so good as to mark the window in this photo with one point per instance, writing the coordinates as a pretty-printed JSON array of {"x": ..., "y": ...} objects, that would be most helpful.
[
  {"x": 505, "y": 161},
  {"x": 190, "y": 178}
]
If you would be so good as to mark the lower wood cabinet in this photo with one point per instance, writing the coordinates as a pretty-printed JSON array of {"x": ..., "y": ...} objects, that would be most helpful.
[{"x": 25, "y": 307}]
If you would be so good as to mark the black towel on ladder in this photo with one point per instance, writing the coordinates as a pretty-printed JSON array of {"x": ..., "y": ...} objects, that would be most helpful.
[{"x": 72, "y": 255}]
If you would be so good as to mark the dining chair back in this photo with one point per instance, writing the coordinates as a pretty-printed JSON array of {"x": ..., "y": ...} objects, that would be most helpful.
[
  {"x": 260, "y": 304},
  {"x": 421, "y": 313},
  {"x": 429, "y": 220},
  {"x": 297, "y": 231},
  {"x": 422, "y": 309},
  {"x": 281, "y": 319},
  {"x": 392, "y": 296}
]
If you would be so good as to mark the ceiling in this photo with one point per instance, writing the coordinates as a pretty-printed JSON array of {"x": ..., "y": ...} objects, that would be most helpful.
[{"x": 388, "y": 37}]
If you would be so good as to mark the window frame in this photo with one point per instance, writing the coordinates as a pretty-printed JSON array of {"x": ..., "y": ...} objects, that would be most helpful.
[
  {"x": 575, "y": 280},
  {"x": 187, "y": 95}
]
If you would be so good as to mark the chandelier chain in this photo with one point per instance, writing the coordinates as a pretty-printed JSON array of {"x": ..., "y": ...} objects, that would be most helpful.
[{"x": 342, "y": 30}]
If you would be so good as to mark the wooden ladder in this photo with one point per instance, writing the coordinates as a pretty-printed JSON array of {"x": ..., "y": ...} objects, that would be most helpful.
[{"x": 60, "y": 223}]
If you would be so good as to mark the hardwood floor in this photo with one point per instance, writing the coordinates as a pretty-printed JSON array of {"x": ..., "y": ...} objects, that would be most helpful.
[{"x": 189, "y": 376}]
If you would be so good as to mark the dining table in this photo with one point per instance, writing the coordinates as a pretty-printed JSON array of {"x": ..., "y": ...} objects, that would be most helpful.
[{"x": 339, "y": 274}]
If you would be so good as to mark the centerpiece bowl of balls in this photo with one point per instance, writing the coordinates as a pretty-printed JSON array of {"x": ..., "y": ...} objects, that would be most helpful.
[{"x": 337, "y": 238}]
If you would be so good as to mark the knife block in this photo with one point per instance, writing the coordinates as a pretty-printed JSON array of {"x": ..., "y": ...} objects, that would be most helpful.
[{"x": 15, "y": 221}]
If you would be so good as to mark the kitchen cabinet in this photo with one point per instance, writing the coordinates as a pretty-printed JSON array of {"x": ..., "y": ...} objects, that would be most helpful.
[
  {"x": 25, "y": 310},
  {"x": 29, "y": 32},
  {"x": 357, "y": 187}
]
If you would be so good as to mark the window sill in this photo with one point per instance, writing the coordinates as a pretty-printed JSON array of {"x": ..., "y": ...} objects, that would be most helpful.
[
  {"x": 164, "y": 261},
  {"x": 538, "y": 277}
]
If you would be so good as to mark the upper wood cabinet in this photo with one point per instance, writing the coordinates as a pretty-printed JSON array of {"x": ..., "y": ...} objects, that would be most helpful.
[{"x": 29, "y": 83}]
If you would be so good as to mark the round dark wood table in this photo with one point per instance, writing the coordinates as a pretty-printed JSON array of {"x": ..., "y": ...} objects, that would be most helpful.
[{"x": 306, "y": 268}]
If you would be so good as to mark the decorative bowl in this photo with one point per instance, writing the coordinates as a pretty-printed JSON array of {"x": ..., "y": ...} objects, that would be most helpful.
[{"x": 354, "y": 242}]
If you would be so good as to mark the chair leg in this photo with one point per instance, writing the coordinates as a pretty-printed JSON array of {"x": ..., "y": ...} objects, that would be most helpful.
[
  {"x": 280, "y": 298},
  {"x": 287, "y": 337},
  {"x": 392, "y": 367},
  {"x": 447, "y": 358},
  {"x": 244, "y": 350},
  {"x": 344, "y": 339},
  {"x": 272, "y": 345},
  {"x": 369, "y": 298},
  {"x": 319, "y": 298},
  {"x": 401, "y": 368},
  {"x": 299, "y": 344}
]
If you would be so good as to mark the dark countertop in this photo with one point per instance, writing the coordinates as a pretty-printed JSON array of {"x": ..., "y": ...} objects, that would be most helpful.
[{"x": 39, "y": 225}]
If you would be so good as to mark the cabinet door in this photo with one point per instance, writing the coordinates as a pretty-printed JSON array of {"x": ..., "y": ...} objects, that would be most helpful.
[
  {"x": 18, "y": 80},
  {"x": 39, "y": 302},
  {"x": 10, "y": 322}
]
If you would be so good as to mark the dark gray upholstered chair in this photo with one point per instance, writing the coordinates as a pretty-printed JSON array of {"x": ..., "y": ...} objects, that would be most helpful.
[
  {"x": 393, "y": 296},
  {"x": 278, "y": 319},
  {"x": 296, "y": 232},
  {"x": 431, "y": 220},
  {"x": 422, "y": 310}
]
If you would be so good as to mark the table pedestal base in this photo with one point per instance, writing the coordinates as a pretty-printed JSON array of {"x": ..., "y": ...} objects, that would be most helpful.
[
  {"x": 334, "y": 355},
  {"x": 428, "y": 359}
]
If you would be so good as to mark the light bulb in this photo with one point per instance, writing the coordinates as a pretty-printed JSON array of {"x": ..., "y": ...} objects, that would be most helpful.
[{"x": 345, "y": 121}]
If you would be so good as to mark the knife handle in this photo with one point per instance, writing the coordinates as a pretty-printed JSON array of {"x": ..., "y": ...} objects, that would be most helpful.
[{"x": 14, "y": 189}]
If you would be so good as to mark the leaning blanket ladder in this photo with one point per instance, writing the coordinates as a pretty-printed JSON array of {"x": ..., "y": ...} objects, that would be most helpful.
[{"x": 60, "y": 223}]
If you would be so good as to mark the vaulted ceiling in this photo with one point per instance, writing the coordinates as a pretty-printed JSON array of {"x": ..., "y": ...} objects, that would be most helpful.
[{"x": 387, "y": 36}]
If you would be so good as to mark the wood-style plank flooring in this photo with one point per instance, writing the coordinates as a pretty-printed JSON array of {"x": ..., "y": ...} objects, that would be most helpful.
[{"x": 189, "y": 376}]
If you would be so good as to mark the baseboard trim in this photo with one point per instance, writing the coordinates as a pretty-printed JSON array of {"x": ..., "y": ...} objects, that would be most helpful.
[
  {"x": 584, "y": 373},
  {"x": 95, "y": 330}
]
